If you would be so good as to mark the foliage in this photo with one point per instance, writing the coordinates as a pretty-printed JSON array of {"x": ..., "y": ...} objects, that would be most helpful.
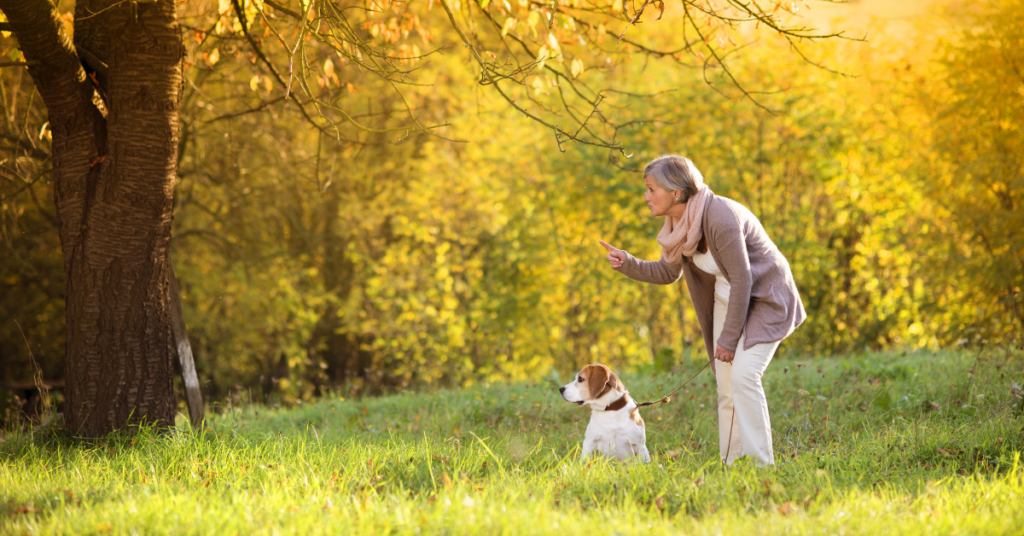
[
  {"x": 388, "y": 256},
  {"x": 974, "y": 168},
  {"x": 869, "y": 444}
]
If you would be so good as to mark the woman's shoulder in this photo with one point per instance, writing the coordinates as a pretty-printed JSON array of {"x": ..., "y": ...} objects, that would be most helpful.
[
  {"x": 723, "y": 207},
  {"x": 724, "y": 211},
  {"x": 726, "y": 217}
]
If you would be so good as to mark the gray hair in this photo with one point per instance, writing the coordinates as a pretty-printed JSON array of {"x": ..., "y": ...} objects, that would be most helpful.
[{"x": 674, "y": 172}]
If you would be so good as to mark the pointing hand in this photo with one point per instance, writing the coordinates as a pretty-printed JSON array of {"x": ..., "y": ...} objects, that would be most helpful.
[{"x": 615, "y": 256}]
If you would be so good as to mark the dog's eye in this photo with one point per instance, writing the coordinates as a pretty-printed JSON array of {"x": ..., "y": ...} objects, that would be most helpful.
[{"x": 580, "y": 379}]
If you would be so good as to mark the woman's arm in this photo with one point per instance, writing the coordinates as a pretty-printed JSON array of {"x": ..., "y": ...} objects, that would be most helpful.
[{"x": 660, "y": 272}]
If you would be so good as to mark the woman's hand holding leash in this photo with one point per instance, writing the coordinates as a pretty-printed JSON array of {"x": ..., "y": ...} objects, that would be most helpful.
[
  {"x": 723, "y": 355},
  {"x": 616, "y": 257}
]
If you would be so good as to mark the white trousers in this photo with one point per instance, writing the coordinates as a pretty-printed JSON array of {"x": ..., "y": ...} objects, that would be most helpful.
[{"x": 744, "y": 428}]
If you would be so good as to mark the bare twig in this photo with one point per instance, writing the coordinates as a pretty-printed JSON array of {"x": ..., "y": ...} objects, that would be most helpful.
[{"x": 261, "y": 107}]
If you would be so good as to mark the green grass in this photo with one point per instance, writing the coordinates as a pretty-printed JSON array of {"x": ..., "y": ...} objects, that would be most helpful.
[{"x": 880, "y": 443}]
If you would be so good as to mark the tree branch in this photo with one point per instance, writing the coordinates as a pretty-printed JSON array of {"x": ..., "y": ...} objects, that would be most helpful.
[
  {"x": 259, "y": 53},
  {"x": 51, "y": 58},
  {"x": 486, "y": 75},
  {"x": 259, "y": 108}
]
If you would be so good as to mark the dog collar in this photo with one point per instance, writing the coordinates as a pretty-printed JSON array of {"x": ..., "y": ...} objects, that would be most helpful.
[{"x": 618, "y": 404}]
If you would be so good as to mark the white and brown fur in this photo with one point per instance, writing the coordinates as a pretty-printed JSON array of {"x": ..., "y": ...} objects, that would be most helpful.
[{"x": 616, "y": 429}]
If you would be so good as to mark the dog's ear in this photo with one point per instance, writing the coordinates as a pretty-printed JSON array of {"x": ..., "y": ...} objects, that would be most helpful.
[
  {"x": 615, "y": 383},
  {"x": 597, "y": 380}
]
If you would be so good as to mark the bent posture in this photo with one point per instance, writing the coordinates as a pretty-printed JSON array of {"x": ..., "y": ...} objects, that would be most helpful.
[{"x": 741, "y": 287}]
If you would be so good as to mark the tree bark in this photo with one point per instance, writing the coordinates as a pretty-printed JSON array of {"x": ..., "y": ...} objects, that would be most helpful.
[{"x": 114, "y": 165}]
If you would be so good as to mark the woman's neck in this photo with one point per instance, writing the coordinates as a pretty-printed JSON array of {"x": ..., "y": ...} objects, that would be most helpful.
[{"x": 676, "y": 211}]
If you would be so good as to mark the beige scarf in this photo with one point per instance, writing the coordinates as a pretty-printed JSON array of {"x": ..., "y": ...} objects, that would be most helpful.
[{"x": 680, "y": 236}]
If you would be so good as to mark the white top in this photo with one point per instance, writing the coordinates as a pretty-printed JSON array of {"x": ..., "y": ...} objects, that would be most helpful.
[{"x": 707, "y": 263}]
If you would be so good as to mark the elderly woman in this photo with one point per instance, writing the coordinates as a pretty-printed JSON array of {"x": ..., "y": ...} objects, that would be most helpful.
[{"x": 741, "y": 287}]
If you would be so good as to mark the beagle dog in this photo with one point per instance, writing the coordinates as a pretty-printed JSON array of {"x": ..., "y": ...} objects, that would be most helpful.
[{"x": 616, "y": 429}]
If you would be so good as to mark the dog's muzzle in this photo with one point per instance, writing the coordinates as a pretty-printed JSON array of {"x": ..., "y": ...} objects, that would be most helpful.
[{"x": 561, "y": 391}]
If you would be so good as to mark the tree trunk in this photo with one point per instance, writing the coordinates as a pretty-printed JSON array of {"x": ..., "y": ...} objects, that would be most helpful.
[{"x": 114, "y": 152}]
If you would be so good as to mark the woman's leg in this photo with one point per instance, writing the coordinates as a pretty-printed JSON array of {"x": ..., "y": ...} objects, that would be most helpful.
[
  {"x": 730, "y": 444},
  {"x": 753, "y": 424}
]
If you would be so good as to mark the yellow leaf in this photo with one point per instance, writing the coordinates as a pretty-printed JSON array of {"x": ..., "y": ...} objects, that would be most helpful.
[
  {"x": 577, "y": 68},
  {"x": 538, "y": 86},
  {"x": 556, "y": 51},
  {"x": 510, "y": 24},
  {"x": 254, "y": 83},
  {"x": 542, "y": 56},
  {"x": 213, "y": 58},
  {"x": 533, "y": 20},
  {"x": 329, "y": 72}
]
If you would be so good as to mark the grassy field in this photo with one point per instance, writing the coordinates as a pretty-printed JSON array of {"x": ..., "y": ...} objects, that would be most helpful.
[{"x": 921, "y": 443}]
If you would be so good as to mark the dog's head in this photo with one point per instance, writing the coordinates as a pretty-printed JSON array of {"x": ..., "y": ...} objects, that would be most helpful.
[{"x": 592, "y": 384}]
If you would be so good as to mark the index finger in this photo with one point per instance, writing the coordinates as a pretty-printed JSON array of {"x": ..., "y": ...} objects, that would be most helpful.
[{"x": 608, "y": 246}]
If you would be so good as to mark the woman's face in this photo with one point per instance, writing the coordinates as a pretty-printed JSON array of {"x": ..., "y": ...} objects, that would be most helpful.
[{"x": 659, "y": 200}]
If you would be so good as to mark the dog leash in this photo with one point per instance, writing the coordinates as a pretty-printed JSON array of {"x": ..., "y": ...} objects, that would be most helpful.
[{"x": 668, "y": 397}]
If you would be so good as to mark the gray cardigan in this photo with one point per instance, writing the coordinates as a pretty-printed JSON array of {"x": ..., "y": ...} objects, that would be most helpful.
[{"x": 763, "y": 298}]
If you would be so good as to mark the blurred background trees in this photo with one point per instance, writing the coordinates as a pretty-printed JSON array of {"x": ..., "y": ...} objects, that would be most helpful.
[{"x": 392, "y": 256}]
